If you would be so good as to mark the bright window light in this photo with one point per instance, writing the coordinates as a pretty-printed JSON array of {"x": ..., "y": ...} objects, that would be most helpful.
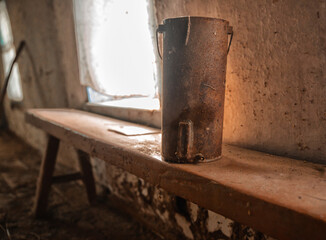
[
  {"x": 14, "y": 89},
  {"x": 115, "y": 44}
]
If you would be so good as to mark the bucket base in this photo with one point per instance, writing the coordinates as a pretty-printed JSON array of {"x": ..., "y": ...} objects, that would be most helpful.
[{"x": 191, "y": 161}]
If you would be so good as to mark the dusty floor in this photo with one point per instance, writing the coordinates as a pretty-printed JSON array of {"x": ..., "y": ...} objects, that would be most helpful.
[{"x": 69, "y": 214}]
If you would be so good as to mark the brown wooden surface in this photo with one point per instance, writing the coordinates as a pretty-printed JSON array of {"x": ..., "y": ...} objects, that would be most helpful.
[
  {"x": 66, "y": 178},
  {"x": 87, "y": 175},
  {"x": 282, "y": 197},
  {"x": 44, "y": 180}
]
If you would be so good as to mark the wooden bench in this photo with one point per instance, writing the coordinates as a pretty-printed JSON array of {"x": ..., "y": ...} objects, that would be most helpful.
[{"x": 282, "y": 197}]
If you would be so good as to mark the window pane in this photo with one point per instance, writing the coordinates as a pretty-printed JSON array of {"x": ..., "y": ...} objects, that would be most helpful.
[
  {"x": 14, "y": 89},
  {"x": 115, "y": 46}
]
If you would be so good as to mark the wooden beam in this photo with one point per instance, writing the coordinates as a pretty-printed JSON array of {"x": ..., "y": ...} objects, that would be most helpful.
[
  {"x": 87, "y": 175},
  {"x": 66, "y": 178},
  {"x": 281, "y": 197},
  {"x": 45, "y": 176}
]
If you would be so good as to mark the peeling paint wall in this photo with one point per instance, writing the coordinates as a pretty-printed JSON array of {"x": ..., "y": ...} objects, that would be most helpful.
[
  {"x": 274, "y": 99},
  {"x": 168, "y": 215},
  {"x": 276, "y": 82},
  {"x": 48, "y": 65}
]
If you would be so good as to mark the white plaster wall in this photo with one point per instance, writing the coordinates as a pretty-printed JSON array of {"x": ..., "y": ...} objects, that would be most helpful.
[
  {"x": 276, "y": 83},
  {"x": 48, "y": 65},
  {"x": 274, "y": 99}
]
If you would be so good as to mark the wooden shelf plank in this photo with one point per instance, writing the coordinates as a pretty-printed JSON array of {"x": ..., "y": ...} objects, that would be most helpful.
[{"x": 279, "y": 196}]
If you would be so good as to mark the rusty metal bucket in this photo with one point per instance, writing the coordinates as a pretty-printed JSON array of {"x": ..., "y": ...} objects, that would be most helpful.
[{"x": 194, "y": 71}]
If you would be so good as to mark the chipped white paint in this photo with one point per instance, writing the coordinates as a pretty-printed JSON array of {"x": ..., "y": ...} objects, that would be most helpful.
[
  {"x": 250, "y": 234},
  {"x": 144, "y": 191},
  {"x": 147, "y": 210},
  {"x": 164, "y": 216},
  {"x": 99, "y": 167},
  {"x": 185, "y": 225},
  {"x": 193, "y": 211},
  {"x": 131, "y": 178},
  {"x": 217, "y": 222},
  {"x": 268, "y": 237}
]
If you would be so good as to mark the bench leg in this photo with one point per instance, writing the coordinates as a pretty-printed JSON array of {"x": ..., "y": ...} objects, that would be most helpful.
[
  {"x": 45, "y": 176},
  {"x": 87, "y": 175}
]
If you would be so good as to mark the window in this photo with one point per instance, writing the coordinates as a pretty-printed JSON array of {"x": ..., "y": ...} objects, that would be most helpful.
[
  {"x": 14, "y": 89},
  {"x": 117, "y": 58}
]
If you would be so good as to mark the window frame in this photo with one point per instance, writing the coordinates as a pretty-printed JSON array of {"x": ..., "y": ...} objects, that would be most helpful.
[
  {"x": 150, "y": 117},
  {"x": 7, "y": 49}
]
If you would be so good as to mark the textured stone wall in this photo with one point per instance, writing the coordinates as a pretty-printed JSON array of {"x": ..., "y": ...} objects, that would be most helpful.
[
  {"x": 48, "y": 65},
  {"x": 276, "y": 82},
  {"x": 168, "y": 215},
  {"x": 274, "y": 102},
  {"x": 274, "y": 99}
]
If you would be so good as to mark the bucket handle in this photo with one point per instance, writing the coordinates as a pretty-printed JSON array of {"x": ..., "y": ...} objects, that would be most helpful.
[
  {"x": 161, "y": 29},
  {"x": 230, "y": 32}
]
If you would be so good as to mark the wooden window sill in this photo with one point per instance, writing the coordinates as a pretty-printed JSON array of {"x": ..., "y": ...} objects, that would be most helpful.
[
  {"x": 131, "y": 110},
  {"x": 282, "y": 197}
]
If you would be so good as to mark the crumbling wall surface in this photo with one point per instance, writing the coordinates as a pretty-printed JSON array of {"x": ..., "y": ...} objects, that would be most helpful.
[
  {"x": 170, "y": 216},
  {"x": 276, "y": 82},
  {"x": 274, "y": 100},
  {"x": 48, "y": 65}
]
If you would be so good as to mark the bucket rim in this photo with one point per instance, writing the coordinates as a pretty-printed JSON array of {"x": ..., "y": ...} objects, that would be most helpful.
[{"x": 165, "y": 20}]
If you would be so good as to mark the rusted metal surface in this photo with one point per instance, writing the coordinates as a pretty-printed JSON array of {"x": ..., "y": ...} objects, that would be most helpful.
[
  {"x": 194, "y": 71},
  {"x": 279, "y": 196}
]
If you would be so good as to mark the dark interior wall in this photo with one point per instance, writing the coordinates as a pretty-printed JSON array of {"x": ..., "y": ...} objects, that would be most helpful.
[
  {"x": 276, "y": 84},
  {"x": 48, "y": 67},
  {"x": 275, "y": 79},
  {"x": 274, "y": 99},
  {"x": 41, "y": 71}
]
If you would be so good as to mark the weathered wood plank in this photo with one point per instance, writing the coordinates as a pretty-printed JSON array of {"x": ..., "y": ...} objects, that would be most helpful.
[
  {"x": 282, "y": 197},
  {"x": 87, "y": 175},
  {"x": 66, "y": 178},
  {"x": 44, "y": 180}
]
